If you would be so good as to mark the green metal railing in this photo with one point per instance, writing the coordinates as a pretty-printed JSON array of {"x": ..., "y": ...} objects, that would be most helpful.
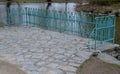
[
  {"x": 104, "y": 31},
  {"x": 98, "y": 28},
  {"x": 66, "y": 22}
]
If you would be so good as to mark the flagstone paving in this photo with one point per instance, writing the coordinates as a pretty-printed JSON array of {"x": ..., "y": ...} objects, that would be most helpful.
[{"x": 41, "y": 51}]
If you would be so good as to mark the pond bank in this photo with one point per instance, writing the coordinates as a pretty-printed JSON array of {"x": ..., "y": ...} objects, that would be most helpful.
[{"x": 112, "y": 9}]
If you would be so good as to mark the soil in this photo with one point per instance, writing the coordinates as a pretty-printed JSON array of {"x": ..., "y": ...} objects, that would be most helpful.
[
  {"x": 7, "y": 68},
  {"x": 97, "y": 66}
]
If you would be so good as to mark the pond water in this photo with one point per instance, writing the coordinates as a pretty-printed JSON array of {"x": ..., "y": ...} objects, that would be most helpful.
[
  {"x": 68, "y": 7},
  {"x": 70, "y": 24},
  {"x": 52, "y": 6}
]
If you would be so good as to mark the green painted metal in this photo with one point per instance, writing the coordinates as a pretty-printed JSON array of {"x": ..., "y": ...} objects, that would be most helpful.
[
  {"x": 104, "y": 31},
  {"x": 100, "y": 29}
]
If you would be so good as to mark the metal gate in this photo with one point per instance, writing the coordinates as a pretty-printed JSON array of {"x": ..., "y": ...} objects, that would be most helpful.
[{"x": 104, "y": 31}]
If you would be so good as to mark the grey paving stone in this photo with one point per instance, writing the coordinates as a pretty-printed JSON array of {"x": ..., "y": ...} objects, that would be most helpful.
[
  {"x": 20, "y": 58},
  {"x": 67, "y": 68},
  {"x": 41, "y": 51},
  {"x": 55, "y": 71},
  {"x": 39, "y": 63},
  {"x": 70, "y": 73},
  {"x": 42, "y": 69},
  {"x": 29, "y": 67},
  {"x": 34, "y": 72},
  {"x": 74, "y": 64},
  {"x": 52, "y": 65}
]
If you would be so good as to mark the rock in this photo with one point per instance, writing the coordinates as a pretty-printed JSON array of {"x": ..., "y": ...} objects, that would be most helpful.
[
  {"x": 70, "y": 73},
  {"x": 29, "y": 67},
  {"x": 39, "y": 63},
  {"x": 52, "y": 65},
  {"x": 42, "y": 69},
  {"x": 74, "y": 64},
  {"x": 95, "y": 54},
  {"x": 55, "y": 71},
  {"x": 67, "y": 68},
  {"x": 85, "y": 3},
  {"x": 118, "y": 57},
  {"x": 28, "y": 56},
  {"x": 34, "y": 72},
  {"x": 109, "y": 59}
]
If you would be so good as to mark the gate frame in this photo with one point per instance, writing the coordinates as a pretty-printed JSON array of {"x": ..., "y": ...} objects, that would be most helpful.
[{"x": 95, "y": 43}]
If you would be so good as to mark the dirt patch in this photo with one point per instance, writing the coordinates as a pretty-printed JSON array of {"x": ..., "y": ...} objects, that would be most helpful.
[
  {"x": 7, "y": 68},
  {"x": 97, "y": 66}
]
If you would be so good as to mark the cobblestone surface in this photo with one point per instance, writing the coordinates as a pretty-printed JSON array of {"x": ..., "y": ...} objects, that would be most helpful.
[{"x": 40, "y": 51}]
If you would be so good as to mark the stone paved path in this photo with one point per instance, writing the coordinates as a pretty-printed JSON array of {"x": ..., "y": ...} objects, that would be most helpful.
[{"x": 41, "y": 51}]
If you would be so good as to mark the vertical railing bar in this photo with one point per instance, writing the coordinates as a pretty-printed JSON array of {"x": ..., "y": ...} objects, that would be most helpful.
[
  {"x": 96, "y": 25},
  {"x": 114, "y": 23},
  {"x": 26, "y": 16}
]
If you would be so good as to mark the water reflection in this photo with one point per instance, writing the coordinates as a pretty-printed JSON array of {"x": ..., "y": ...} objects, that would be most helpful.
[
  {"x": 49, "y": 4},
  {"x": 54, "y": 6},
  {"x": 8, "y": 3}
]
